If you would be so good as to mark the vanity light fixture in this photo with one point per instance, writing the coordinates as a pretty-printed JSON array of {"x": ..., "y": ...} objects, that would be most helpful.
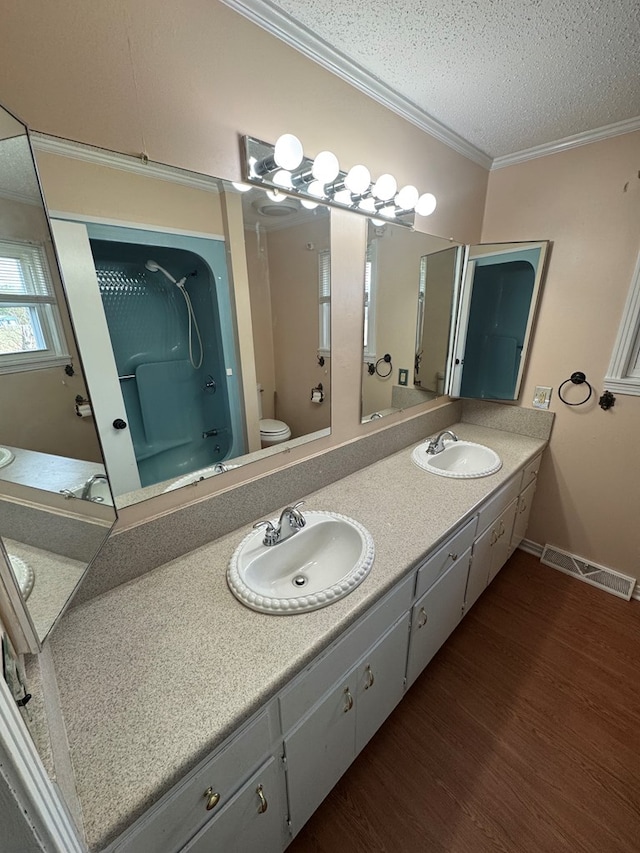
[{"x": 284, "y": 168}]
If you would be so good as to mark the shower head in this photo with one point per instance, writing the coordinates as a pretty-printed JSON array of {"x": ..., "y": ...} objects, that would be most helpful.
[{"x": 154, "y": 266}]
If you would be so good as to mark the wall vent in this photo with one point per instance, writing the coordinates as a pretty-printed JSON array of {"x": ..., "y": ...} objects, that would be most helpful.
[{"x": 614, "y": 582}]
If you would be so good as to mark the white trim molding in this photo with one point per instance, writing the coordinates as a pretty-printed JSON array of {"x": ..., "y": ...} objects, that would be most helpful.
[
  {"x": 598, "y": 134},
  {"x": 124, "y": 162},
  {"x": 30, "y": 783},
  {"x": 296, "y": 35},
  {"x": 619, "y": 377}
]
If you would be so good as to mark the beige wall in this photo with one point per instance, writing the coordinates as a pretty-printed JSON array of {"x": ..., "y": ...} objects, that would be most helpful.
[
  {"x": 437, "y": 312},
  {"x": 587, "y": 201},
  {"x": 293, "y": 277}
]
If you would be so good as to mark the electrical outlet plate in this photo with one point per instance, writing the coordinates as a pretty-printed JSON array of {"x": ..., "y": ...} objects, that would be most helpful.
[{"x": 542, "y": 397}]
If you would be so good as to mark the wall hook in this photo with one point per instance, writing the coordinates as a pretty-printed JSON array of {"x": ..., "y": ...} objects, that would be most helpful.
[{"x": 607, "y": 401}]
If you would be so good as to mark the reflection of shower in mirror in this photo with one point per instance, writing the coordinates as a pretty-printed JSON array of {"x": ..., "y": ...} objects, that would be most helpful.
[{"x": 154, "y": 266}]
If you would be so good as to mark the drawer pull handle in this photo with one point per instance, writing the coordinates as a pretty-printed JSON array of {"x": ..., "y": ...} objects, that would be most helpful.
[
  {"x": 422, "y": 619},
  {"x": 213, "y": 798},
  {"x": 370, "y": 678},
  {"x": 264, "y": 805},
  {"x": 349, "y": 698},
  {"x": 494, "y": 537},
  {"x": 501, "y": 529},
  {"x": 454, "y": 556},
  {"x": 523, "y": 507}
]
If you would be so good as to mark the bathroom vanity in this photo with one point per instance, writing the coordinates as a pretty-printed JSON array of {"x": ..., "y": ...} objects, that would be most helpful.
[{"x": 197, "y": 724}]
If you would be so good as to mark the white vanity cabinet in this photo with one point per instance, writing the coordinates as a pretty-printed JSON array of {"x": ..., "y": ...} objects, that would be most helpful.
[
  {"x": 525, "y": 501},
  {"x": 328, "y": 715},
  {"x": 221, "y": 791},
  {"x": 253, "y": 819},
  {"x": 436, "y": 614},
  {"x": 502, "y": 524}
]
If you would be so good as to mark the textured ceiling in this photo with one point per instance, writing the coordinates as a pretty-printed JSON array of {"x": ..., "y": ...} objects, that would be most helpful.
[{"x": 505, "y": 75}]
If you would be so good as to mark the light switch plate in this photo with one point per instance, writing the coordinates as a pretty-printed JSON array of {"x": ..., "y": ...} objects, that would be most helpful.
[{"x": 542, "y": 397}]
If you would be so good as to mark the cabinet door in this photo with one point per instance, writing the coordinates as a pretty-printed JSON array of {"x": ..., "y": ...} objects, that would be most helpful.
[
  {"x": 522, "y": 516},
  {"x": 435, "y": 615},
  {"x": 254, "y": 819},
  {"x": 501, "y": 547},
  {"x": 381, "y": 681},
  {"x": 480, "y": 567},
  {"x": 319, "y": 750}
]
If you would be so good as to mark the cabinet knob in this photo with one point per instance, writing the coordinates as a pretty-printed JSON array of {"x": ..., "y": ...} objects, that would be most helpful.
[
  {"x": 370, "y": 678},
  {"x": 264, "y": 805},
  {"x": 349, "y": 700},
  {"x": 422, "y": 618},
  {"x": 212, "y": 798},
  {"x": 454, "y": 556}
]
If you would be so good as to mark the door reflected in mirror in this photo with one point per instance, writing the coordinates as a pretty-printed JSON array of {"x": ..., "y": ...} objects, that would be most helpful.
[
  {"x": 202, "y": 313},
  {"x": 410, "y": 283},
  {"x": 500, "y": 292}
]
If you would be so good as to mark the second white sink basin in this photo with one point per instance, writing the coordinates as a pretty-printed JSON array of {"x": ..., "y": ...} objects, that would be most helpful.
[
  {"x": 461, "y": 459},
  {"x": 317, "y": 565}
]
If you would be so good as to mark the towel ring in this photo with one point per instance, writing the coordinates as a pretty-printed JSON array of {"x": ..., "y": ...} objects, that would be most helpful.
[
  {"x": 373, "y": 368},
  {"x": 577, "y": 378}
]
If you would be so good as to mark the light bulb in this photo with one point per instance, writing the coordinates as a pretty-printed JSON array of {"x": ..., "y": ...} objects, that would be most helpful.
[
  {"x": 378, "y": 222},
  {"x": 388, "y": 212},
  {"x": 368, "y": 205},
  {"x": 407, "y": 197},
  {"x": 325, "y": 167},
  {"x": 358, "y": 179},
  {"x": 343, "y": 197},
  {"x": 385, "y": 187},
  {"x": 274, "y": 195},
  {"x": 426, "y": 204},
  {"x": 242, "y": 188},
  {"x": 282, "y": 178},
  {"x": 288, "y": 152},
  {"x": 310, "y": 205},
  {"x": 316, "y": 188}
]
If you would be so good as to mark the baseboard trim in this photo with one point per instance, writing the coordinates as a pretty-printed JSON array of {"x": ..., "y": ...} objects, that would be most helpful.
[{"x": 531, "y": 547}]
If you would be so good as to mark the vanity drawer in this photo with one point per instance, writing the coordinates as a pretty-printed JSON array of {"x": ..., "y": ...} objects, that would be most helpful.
[
  {"x": 183, "y": 811},
  {"x": 437, "y": 564},
  {"x": 321, "y": 674},
  {"x": 499, "y": 502},
  {"x": 530, "y": 471}
]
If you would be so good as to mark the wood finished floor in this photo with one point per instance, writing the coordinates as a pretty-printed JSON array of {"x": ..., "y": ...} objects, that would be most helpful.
[{"x": 522, "y": 736}]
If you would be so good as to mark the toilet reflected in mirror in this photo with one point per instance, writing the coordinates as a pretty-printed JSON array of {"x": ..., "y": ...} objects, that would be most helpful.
[{"x": 272, "y": 431}]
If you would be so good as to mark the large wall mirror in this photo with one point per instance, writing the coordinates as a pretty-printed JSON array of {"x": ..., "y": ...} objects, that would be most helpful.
[
  {"x": 201, "y": 310},
  {"x": 410, "y": 288},
  {"x": 47, "y": 451}
]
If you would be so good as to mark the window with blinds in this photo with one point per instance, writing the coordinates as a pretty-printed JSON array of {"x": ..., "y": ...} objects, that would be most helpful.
[
  {"x": 324, "y": 302},
  {"x": 31, "y": 332}
]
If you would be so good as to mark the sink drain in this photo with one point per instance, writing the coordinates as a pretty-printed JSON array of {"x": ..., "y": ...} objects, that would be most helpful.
[{"x": 300, "y": 580}]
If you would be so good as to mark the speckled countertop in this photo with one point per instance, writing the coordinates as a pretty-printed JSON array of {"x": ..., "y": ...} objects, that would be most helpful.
[{"x": 155, "y": 673}]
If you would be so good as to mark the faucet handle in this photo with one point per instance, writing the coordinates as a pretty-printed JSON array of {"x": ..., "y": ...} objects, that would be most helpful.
[
  {"x": 270, "y": 534},
  {"x": 296, "y": 518}
]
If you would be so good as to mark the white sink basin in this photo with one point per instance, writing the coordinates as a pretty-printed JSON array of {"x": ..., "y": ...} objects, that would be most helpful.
[
  {"x": 6, "y": 456},
  {"x": 24, "y": 575},
  {"x": 460, "y": 459},
  {"x": 317, "y": 565}
]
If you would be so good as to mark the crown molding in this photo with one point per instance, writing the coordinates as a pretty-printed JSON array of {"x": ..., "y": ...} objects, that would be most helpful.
[
  {"x": 606, "y": 132},
  {"x": 124, "y": 162},
  {"x": 296, "y": 35}
]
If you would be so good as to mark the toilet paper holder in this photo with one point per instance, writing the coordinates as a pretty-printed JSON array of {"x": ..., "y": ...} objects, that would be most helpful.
[{"x": 317, "y": 393}]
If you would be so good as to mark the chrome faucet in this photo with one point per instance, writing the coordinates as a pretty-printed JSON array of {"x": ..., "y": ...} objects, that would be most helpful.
[
  {"x": 291, "y": 520},
  {"x": 86, "y": 489},
  {"x": 219, "y": 468},
  {"x": 436, "y": 445}
]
